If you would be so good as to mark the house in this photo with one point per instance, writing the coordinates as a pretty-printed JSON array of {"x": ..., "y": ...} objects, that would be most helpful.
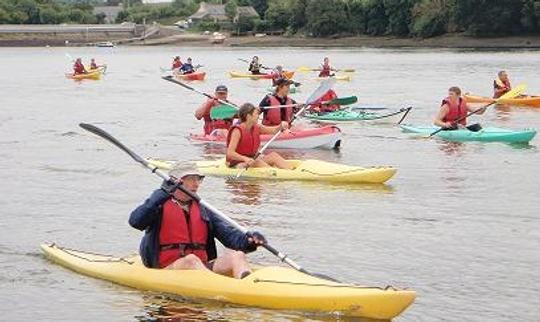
[
  {"x": 111, "y": 12},
  {"x": 216, "y": 13}
]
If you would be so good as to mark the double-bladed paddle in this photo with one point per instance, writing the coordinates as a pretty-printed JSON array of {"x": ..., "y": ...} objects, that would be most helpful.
[
  {"x": 309, "y": 69},
  {"x": 248, "y": 62},
  {"x": 186, "y": 86},
  {"x": 283, "y": 257}
]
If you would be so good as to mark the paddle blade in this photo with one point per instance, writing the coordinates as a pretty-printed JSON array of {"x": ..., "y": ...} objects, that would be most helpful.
[
  {"x": 348, "y": 70},
  {"x": 343, "y": 100},
  {"x": 323, "y": 88},
  {"x": 223, "y": 112},
  {"x": 516, "y": 91}
]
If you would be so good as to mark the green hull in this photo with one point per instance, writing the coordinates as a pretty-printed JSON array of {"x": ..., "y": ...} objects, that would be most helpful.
[
  {"x": 488, "y": 134},
  {"x": 350, "y": 115}
]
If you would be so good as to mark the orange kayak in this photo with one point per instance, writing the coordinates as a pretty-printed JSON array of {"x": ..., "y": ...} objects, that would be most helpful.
[
  {"x": 192, "y": 77},
  {"x": 533, "y": 101}
]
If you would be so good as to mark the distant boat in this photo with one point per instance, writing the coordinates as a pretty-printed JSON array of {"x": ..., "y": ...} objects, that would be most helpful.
[
  {"x": 105, "y": 44},
  {"x": 217, "y": 38}
]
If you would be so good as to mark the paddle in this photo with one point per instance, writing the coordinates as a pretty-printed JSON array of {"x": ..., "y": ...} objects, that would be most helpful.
[
  {"x": 223, "y": 112},
  {"x": 336, "y": 101},
  {"x": 309, "y": 69},
  {"x": 511, "y": 94},
  {"x": 323, "y": 88},
  {"x": 248, "y": 62},
  {"x": 172, "y": 80},
  {"x": 283, "y": 257}
]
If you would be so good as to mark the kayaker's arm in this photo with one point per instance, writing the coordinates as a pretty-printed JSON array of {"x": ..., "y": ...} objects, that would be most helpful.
[
  {"x": 440, "y": 117},
  {"x": 273, "y": 129},
  {"x": 231, "y": 237},
  {"x": 144, "y": 215},
  {"x": 233, "y": 144},
  {"x": 202, "y": 110},
  {"x": 481, "y": 110}
]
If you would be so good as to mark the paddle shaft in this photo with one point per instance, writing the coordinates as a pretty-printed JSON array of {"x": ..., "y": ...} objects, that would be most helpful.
[
  {"x": 99, "y": 132},
  {"x": 330, "y": 102},
  {"x": 464, "y": 117},
  {"x": 248, "y": 62},
  {"x": 172, "y": 80}
]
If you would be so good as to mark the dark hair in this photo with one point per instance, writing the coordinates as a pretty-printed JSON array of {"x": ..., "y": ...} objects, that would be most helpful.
[
  {"x": 501, "y": 73},
  {"x": 455, "y": 89},
  {"x": 245, "y": 110}
]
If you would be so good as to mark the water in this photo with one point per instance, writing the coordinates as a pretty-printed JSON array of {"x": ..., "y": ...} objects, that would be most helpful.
[{"x": 458, "y": 223}]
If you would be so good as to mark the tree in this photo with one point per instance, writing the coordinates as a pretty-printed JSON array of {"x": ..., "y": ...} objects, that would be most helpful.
[
  {"x": 231, "y": 9},
  {"x": 260, "y": 6},
  {"x": 399, "y": 16},
  {"x": 377, "y": 20},
  {"x": 278, "y": 15},
  {"x": 430, "y": 18},
  {"x": 326, "y": 17},
  {"x": 297, "y": 9},
  {"x": 356, "y": 16}
]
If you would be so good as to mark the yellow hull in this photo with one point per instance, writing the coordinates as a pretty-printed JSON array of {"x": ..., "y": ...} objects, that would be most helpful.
[
  {"x": 267, "y": 287},
  {"x": 306, "y": 170},
  {"x": 92, "y": 74},
  {"x": 533, "y": 101},
  {"x": 345, "y": 78},
  {"x": 236, "y": 74}
]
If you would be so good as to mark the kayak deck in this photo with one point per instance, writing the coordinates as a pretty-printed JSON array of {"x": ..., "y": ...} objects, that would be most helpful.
[
  {"x": 487, "y": 134},
  {"x": 531, "y": 101},
  {"x": 304, "y": 170},
  {"x": 348, "y": 115},
  {"x": 267, "y": 287}
]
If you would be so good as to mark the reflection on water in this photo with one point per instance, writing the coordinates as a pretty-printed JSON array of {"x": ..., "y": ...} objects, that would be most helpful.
[{"x": 244, "y": 192}]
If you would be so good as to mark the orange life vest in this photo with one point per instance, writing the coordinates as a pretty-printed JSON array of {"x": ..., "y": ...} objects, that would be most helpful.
[
  {"x": 249, "y": 142},
  {"x": 274, "y": 116},
  {"x": 209, "y": 124},
  {"x": 456, "y": 111}
]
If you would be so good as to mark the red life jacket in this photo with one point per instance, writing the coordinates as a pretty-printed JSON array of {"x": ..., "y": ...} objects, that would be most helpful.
[
  {"x": 176, "y": 64},
  {"x": 456, "y": 111},
  {"x": 274, "y": 116},
  {"x": 209, "y": 124},
  {"x": 330, "y": 95},
  {"x": 182, "y": 234},
  {"x": 326, "y": 71},
  {"x": 499, "y": 84},
  {"x": 249, "y": 142},
  {"x": 78, "y": 68}
]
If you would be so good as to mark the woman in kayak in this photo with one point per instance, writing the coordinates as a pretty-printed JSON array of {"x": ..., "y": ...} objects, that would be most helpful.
[
  {"x": 254, "y": 66},
  {"x": 501, "y": 85},
  {"x": 217, "y": 127},
  {"x": 244, "y": 140},
  {"x": 276, "y": 116},
  {"x": 326, "y": 69},
  {"x": 187, "y": 68},
  {"x": 180, "y": 233},
  {"x": 78, "y": 67},
  {"x": 453, "y": 112}
]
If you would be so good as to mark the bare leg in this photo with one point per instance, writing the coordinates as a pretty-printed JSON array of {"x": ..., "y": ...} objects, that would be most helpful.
[
  {"x": 233, "y": 263},
  {"x": 276, "y": 160},
  {"x": 188, "y": 262},
  {"x": 258, "y": 164}
]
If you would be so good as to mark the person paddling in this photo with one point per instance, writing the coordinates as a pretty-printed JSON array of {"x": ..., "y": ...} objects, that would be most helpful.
[
  {"x": 325, "y": 108},
  {"x": 203, "y": 112},
  {"x": 93, "y": 64},
  {"x": 180, "y": 233},
  {"x": 254, "y": 66},
  {"x": 176, "y": 64},
  {"x": 187, "y": 68},
  {"x": 453, "y": 112},
  {"x": 276, "y": 116},
  {"x": 501, "y": 85},
  {"x": 277, "y": 74},
  {"x": 326, "y": 69},
  {"x": 78, "y": 67},
  {"x": 244, "y": 140}
]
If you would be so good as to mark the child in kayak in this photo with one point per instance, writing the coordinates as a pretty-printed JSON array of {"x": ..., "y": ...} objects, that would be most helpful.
[
  {"x": 276, "y": 116},
  {"x": 187, "y": 68},
  {"x": 180, "y": 233},
  {"x": 176, "y": 64},
  {"x": 501, "y": 85},
  {"x": 78, "y": 67},
  {"x": 453, "y": 112},
  {"x": 254, "y": 66},
  {"x": 216, "y": 127},
  {"x": 326, "y": 69},
  {"x": 244, "y": 140}
]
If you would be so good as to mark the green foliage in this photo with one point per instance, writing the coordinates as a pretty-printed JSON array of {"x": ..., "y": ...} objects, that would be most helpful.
[
  {"x": 45, "y": 12},
  {"x": 399, "y": 16},
  {"x": 231, "y": 8},
  {"x": 326, "y": 17},
  {"x": 376, "y": 18},
  {"x": 357, "y": 17},
  {"x": 260, "y": 6},
  {"x": 297, "y": 18},
  {"x": 430, "y": 18},
  {"x": 278, "y": 15}
]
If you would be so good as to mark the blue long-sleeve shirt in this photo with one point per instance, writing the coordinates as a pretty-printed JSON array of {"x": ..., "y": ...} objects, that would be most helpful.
[{"x": 148, "y": 217}]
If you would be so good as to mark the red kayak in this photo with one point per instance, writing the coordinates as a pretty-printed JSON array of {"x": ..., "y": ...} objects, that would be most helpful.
[
  {"x": 197, "y": 76},
  {"x": 328, "y": 137}
]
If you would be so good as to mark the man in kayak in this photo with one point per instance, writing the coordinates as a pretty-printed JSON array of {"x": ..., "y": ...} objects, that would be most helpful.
[
  {"x": 78, "y": 67},
  {"x": 277, "y": 116},
  {"x": 277, "y": 74},
  {"x": 244, "y": 140},
  {"x": 453, "y": 112},
  {"x": 218, "y": 127},
  {"x": 187, "y": 68},
  {"x": 326, "y": 69},
  {"x": 254, "y": 66},
  {"x": 180, "y": 232},
  {"x": 176, "y": 64},
  {"x": 317, "y": 107},
  {"x": 501, "y": 85}
]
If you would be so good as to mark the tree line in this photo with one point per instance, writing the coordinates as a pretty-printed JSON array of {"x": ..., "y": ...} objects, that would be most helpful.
[{"x": 318, "y": 18}]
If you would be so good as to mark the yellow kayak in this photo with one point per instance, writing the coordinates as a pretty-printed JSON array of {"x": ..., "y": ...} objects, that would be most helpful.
[
  {"x": 306, "y": 170},
  {"x": 93, "y": 74},
  {"x": 267, "y": 287},
  {"x": 533, "y": 101},
  {"x": 236, "y": 74},
  {"x": 345, "y": 78}
]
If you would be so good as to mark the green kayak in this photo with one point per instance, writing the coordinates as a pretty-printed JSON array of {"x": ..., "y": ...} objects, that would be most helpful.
[
  {"x": 350, "y": 115},
  {"x": 487, "y": 134}
]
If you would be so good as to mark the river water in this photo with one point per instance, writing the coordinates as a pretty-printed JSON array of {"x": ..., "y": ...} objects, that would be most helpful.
[{"x": 458, "y": 223}]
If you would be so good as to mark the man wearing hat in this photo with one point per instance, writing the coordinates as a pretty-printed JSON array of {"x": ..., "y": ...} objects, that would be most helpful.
[
  {"x": 203, "y": 112},
  {"x": 180, "y": 233},
  {"x": 278, "y": 116}
]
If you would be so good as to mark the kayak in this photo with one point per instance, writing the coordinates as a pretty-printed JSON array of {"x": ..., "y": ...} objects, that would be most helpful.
[
  {"x": 487, "y": 134},
  {"x": 196, "y": 76},
  {"x": 533, "y": 101},
  {"x": 94, "y": 74},
  {"x": 271, "y": 287},
  {"x": 349, "y": 115},
  {"x": 305, "y": 138},
  {"x": 292, "y": 89},
  {"x": 304, "y": 170},
  {"x": 236, "y": 74},
  {"x": 346, "y": 78}
]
